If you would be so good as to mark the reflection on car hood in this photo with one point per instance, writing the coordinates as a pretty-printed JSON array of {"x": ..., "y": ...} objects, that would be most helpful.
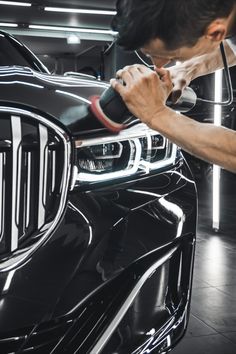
[{"x": 58, "y": 96}]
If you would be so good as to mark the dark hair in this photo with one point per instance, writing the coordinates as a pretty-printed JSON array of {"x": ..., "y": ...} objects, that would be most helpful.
[{"x": 177, "y": 22}]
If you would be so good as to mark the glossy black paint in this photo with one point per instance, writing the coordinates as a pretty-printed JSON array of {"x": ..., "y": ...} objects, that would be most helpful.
[
  {"x": 14, "y": 52},
  {"x": 64, "y": 99},
  {"x": 63, "y": 272},
  {"x": 112, "y": 238}
]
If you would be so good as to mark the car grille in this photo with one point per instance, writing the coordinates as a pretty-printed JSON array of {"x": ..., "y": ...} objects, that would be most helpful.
[{"x": 34, "y": 175}]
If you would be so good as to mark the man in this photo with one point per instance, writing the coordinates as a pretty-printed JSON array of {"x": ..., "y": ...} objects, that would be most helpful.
[{"x": 189, "y": 31}]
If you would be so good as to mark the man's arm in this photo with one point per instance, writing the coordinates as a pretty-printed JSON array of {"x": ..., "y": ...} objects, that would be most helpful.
[
  {"x": 145, "y": 93},
  {"x": 208, "y": 142},
  {"x": 184, "y": 73},
  {"x": 213, "y": 144}
]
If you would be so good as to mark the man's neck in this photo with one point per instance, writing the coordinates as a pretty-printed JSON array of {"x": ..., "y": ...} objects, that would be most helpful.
[{"x": 232, "y": 23}]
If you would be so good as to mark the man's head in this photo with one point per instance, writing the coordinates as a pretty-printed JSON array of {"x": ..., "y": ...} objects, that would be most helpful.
[{"x": 172, "y": 25}]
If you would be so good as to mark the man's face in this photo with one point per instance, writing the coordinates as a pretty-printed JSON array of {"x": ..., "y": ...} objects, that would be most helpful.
[{"x": 161, "y": 56}]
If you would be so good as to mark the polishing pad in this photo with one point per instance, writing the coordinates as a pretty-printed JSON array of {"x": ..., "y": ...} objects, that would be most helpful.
[{"x": 97, "y": 111}]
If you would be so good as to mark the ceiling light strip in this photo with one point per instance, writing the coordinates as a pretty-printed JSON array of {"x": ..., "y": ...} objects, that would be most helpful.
[
  {"x": 15, "y": 3},
  {"x": 81, "y": 11},
  {"x": 5, "y": 24},
  {"x": 70, "y": 29}
]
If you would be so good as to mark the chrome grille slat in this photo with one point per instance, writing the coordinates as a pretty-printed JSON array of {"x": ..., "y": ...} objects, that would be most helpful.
[
  {"x": 53, "y": 156},
  {"x": 2, "y": 193},
  {"x": 45, "y": 175},
  {"x": 16, "y": 179},
  {"x": 28, "y": 186},
  {"x": 43, "y": 138},
  {"x": 35, "y": 171}
]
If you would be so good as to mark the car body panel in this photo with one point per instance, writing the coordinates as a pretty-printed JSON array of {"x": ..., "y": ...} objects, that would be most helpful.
[{"x": 114, "y": 275}]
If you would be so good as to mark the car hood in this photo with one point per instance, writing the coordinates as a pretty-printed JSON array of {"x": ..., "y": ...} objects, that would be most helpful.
[{"x": 64, "y": 98}]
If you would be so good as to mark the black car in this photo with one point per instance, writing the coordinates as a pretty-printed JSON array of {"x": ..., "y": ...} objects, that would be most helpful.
[{"x": 97, "y": 230}]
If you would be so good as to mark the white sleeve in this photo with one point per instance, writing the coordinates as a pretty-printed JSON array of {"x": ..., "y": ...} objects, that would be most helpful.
[{"x": 232, "y": 43}]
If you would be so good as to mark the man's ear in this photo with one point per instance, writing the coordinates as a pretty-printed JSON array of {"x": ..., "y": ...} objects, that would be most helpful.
[{"x": 217, "y": 30}]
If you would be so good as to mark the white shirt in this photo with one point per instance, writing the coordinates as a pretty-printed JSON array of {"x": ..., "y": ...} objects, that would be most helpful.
[{"x": 232, "y": 43}]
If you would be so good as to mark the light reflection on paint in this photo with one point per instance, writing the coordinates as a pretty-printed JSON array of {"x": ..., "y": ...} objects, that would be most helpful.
[
  {"x": 177, "y": 212},
  {"x": 21, "y": 83},
  {"x": 8, "y": 281},
  {"x": 74, "y": 96},
  {"x": 86, "y": 220}
]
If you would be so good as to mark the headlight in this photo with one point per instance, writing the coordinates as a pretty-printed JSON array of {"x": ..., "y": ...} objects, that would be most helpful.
[{"x": 134, "y": 151}]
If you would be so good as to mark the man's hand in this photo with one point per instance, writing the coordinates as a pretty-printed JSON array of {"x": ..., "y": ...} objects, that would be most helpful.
[
  {"x": 143, "y": 90},
  {"x": 181, "y": 77}
]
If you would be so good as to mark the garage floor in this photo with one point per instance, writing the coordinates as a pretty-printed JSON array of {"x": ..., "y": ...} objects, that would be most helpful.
[{"x": 212, "y": 327}]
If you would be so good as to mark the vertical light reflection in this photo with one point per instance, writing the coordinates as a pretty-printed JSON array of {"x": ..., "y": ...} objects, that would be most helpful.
[
  {"x": 217, "y": 169},
  {"x": 86, "y": 220},
  {"x": 8, "y": 281},
  {"x": 177, "y": 212}
]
